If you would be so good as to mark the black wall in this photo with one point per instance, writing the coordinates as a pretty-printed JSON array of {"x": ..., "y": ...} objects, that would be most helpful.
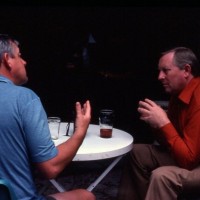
[{"x": 128, "y": 43}]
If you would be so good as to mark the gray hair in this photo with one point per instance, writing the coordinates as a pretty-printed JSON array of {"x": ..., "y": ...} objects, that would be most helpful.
[
  {"x": 6, "y": 45},
  {"x": 183, "y": 56}
]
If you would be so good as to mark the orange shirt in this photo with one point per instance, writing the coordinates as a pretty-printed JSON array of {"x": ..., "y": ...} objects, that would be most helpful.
[{"x": 183, "y": 133}]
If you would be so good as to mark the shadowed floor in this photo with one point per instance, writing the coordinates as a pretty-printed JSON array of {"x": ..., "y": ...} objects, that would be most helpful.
[{"x": 82, "y": 174}]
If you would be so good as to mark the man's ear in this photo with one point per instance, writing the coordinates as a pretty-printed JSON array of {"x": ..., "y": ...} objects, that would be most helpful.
[
  {"x": 187, "y": 69},
  {"x": 6, "y": 61}
]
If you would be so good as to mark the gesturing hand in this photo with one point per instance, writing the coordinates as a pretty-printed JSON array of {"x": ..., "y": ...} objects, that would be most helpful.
[
  {"x": 152, "y": 113},
  {"x": 83, "y": 117}
]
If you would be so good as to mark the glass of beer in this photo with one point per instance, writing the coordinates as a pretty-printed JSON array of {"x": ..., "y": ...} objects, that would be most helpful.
[{"x": 106, "y": 118}]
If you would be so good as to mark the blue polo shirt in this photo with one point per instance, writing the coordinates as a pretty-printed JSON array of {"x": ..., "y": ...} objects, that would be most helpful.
[{"x": 24, "y": 137}]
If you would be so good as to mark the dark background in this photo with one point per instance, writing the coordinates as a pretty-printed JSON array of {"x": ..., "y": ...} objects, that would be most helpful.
[{"x": 123, "y": 61}]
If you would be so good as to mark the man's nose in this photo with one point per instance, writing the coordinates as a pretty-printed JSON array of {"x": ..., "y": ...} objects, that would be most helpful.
[{"x": 161, "y": 75}]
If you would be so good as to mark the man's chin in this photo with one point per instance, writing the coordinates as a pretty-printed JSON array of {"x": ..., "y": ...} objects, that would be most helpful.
[
  {"x": 24, "y": 81},
  {"x": 167, "y": 90}
]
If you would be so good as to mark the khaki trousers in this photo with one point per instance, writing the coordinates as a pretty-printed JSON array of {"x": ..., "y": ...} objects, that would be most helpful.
[{"x": 151, "y": 174}]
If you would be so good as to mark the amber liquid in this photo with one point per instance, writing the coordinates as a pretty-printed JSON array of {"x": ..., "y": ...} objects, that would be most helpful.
[{"x": 106, "y": 133}]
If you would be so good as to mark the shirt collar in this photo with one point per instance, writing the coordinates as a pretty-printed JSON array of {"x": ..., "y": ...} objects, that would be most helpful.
[
  {"x": 187, "y": 92},
  {"x": 5, "y": 80}
]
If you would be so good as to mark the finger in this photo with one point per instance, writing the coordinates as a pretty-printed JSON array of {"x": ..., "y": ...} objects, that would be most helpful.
[
  {"x": 139, "y": 110},
  {"x": 150, "y": 102},
  {"x": 142, "y": 104},
  {"x": 144, "y": 118},
  {"x": 85, "y": 105},
  {"x": 78, "y": 108},
  {"x": 87, "y": 108},
  {"x": 145, "y": 105},
  {"x": 143, "y": 111}
]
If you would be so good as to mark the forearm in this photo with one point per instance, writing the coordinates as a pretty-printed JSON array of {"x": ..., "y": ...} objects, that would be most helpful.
[
  {"x": 184, "y": 149},
  {"x": 66, "y": 152}
]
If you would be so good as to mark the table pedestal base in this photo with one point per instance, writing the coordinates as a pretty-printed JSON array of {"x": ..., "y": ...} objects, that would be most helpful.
[
  {"x": 107, "y": 170},
  {"x": 95, "y": 183}
]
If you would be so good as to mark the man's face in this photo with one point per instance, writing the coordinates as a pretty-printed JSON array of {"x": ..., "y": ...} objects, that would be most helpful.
[
  {"x": 171, "y": 76},
  {"x": 18, "y": 67}
]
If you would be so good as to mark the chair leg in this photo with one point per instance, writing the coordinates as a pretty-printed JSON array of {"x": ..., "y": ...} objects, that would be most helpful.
[{"x": 46, "y": 184}]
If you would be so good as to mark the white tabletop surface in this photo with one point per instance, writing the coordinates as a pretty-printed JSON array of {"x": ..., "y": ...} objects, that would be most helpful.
[{"x": 96, "y": 148}]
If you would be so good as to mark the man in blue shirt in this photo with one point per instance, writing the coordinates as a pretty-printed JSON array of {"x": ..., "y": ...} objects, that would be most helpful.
[{"x": 25, "y": 139}]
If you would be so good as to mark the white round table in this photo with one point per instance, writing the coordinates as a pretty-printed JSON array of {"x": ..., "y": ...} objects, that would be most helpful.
[{"x": 96, "y": 148}]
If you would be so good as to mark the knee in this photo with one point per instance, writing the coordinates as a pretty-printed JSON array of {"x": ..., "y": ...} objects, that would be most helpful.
[
  {"x": 88, "y": 195},
  {"x": 158, "y": 175},
  {"x": 163, "y": 175},
  {"x": 91, "y": 196}
]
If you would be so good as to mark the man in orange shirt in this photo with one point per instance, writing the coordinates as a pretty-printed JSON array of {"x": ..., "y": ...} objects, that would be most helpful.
[{"x": 168, "y": 170}]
